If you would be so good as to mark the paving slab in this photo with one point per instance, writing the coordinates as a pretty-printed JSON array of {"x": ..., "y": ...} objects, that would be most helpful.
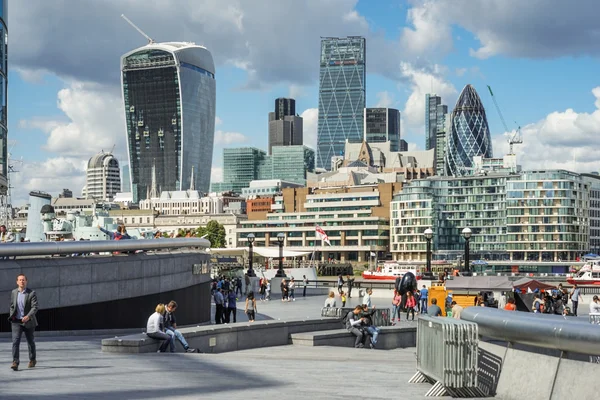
[{"x": 74, "y": 368}]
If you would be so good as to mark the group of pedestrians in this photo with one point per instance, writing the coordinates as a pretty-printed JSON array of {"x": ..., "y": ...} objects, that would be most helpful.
[
  {"x": 410, "y": 302},
  {"x": 359, "y": 322}
]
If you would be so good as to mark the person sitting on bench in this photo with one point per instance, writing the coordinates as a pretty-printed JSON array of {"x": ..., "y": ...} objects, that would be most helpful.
[{"x": 354, "y": 326}]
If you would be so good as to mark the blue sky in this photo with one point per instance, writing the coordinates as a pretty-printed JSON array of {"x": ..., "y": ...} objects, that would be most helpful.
[{"x": 64, "y": 101}]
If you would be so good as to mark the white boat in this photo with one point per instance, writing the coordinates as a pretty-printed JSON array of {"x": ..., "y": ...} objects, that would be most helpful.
[
  {"x": 589, "y": 274},
  {"x": 390, "y": 271}
]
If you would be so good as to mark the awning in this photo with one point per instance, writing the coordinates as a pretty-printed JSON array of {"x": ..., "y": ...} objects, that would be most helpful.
[{"x": 267, "y": 252}]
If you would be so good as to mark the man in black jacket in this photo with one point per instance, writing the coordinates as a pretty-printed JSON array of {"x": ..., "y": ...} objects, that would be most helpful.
[
  {"x": 370, "y": 328},
  {"x": 171, "y": 328}
]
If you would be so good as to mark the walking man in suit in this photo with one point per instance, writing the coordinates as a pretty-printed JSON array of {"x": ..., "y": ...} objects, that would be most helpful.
[{"x": 23, "y": 307}]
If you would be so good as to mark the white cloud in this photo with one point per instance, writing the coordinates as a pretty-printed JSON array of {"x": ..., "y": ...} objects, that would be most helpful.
[
  {"x": 94, "y": 121},
  {"x": 216, "y": 174},
  {"x": 227, "y": 138},
  {"x": 514, "y": 28},
  {"x": 296, "y": 91},
  {"x": 423, "y": 82},
  {"x": 563, "y": 139},
  {"x": 218, "y": 121},
  {"x": 309, "y": 127},
  {"x": 50, "y": 176},
  {"x": 385, "y": 99}
]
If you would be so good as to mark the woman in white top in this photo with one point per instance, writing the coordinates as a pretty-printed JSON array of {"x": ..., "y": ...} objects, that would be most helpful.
[
  {"x": 330, "y": 301},
  {"x": 292, "y": 288},
  {"x": 155, "y": 329},
  {"x": 251, "y": 307},
  {"x": 367, "y": 297}
]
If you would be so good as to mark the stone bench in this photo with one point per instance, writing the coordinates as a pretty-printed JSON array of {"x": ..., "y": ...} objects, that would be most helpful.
[
  {"x": 390, "y": 337},
  {"x": 224, "y": 338}
]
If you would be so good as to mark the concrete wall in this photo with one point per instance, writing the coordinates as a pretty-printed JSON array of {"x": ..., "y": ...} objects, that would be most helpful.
[
  {"x": 224, "y": 338},
  {"x": 100, "y": 284},
  {"x": 534, "y": 375}
]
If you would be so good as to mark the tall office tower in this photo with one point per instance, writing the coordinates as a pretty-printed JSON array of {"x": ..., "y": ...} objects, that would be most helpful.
[
  {"x": 285, "y": 127},
  {"x": 403, "y": 145},
  {"x": 292, "y": 163},
  {"x": 383, "y": 125},
  {"x": 341, "y": 96},
  {"x": 169, "y": 95},
  {"x": 241, "y": 165},
  {"x": 469, "y": 134},
  {"x": 103, "y": 177},
  {"x": 443, "y": 127},
  {"x": 3, "y": 97},
  {"x": 125, "y": 182},
  {"x": 434, "y": 109}
]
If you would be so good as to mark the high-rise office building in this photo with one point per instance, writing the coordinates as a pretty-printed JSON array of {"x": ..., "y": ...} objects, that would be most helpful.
[
  {"x": 103, "y": 177},
  {"x": 403, "y": 145},
  {"x": 3, "y": 96},
  {"x": 291, "y": 163},
  {"x": 125, "y": 182},
  {"x": 383, "y": 125},
  {"x": 469, "y": 134},
  {"x": 241, "y": 165},
  {"x": 443, "y": 127},
  {"x": 169, "y": 95},
  {"x": 285, "y": 127},
  {"x": 341, "y": 96},
  {"x": 434, "y": 110}
]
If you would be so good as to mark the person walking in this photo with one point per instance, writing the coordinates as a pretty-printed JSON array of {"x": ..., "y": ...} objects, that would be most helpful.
[
  {"x": 268, "y": 290},
  {"x": 340, "y": 283},
  {"x": 292, "y": 288},
  {"x": 396, "y": 306},
  {"x": 575, "y": 297},
  {"x": 350, "y": 283},
  {"x": 231, "y": 307},
  {"x": 424, "y": 296},
  {"x": 410, "y": 305},
  {"x": 22, "y": 315},
  {"x": 250, "y": 307},
  {"x": 305, "y": 282},
  {"x": 219, "y": 306}
]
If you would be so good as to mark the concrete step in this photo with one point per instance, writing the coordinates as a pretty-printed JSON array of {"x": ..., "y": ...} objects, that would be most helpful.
[{"x": 390, "y": 337}]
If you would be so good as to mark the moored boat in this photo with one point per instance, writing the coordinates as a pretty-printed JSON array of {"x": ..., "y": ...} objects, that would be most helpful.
[
  {"x": 589, "y": 274},
  {"x": 389, "y": 271}
]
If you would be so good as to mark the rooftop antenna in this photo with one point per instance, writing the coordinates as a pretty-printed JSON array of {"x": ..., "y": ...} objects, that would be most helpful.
[{"x": 150, "y": 40}]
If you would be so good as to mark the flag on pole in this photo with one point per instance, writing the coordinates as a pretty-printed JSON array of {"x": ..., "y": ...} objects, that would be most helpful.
[{"x": 322, "y": 235}]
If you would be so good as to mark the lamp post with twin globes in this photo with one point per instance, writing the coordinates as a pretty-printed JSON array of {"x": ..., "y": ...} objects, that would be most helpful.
[
  {"x": 466, "y": 233},
  {"x": 280, "y": 239},
  {"x": 250, "y": 238}
]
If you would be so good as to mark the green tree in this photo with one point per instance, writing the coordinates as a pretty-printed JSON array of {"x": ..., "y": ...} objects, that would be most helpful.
[{"x": 215, "y": 233}]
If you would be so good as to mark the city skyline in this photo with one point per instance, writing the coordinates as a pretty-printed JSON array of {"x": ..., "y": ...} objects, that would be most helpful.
[{"x": 69, "y": 110}]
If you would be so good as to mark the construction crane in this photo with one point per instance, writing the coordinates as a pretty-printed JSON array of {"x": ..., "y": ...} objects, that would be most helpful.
[
  {"x": 514, "y": 138},
  {"x": 150, "y": 40}
]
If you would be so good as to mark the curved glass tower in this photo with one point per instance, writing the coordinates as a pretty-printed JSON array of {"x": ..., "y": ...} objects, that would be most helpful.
[
  {"x": 3, "y": 96},
  {"x": 469, "y": 133},
  {"x": 169, "y": 92}
]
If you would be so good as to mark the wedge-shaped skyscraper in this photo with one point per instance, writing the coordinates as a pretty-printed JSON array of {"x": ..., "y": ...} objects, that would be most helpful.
[
  {"x": 469, "y": 134},
  {"x": 169, "y": 95}
]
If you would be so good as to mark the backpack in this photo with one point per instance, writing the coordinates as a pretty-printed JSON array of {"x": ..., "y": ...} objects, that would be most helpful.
[{"x": 344, "y": 320}]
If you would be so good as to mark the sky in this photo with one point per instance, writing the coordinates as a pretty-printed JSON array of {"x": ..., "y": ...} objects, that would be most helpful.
[{"x": 539, "y": 56}]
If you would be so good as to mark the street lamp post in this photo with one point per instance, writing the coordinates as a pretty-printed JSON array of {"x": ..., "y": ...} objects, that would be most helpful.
[
  {"x": 467, "y": 235},
  {"x": 250, "y": 238},
  {"x": 428, "y": 236},
  {"x": 280, "y": 272}
]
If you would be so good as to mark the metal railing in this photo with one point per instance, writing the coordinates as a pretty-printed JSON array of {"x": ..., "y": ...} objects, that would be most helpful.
[
  {"x": 98, "y": 246},
  {"x": 537, "y": 330},
  {"x": 356, "y": 286},
  {"x": 447, "y": 352}
]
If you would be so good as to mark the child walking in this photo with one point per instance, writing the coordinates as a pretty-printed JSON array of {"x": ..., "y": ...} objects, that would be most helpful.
[{"x": 343, "y": 299}]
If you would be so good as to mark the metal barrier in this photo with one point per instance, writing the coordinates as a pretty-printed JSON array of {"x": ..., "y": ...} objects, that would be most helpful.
[
  {"x": 538, "y": 330},
  {"x": 380, "y": 318},
  {"x": 98, "y": 246},
  {"x": 447, "y": 354}
]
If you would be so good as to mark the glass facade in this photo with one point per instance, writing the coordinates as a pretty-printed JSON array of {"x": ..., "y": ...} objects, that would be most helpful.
[
  {"x": 242, "y": 165},
  {"x": 382, "y": 125},
  {"x": 341, "y": 96},
  {"x": 432, "y": 102},
  {"x": 291, "y": 163},
  {"x": 170, "y": 116},
  {"x": 532, "y": 216},
  {"x": 469, "y": 134},
  {"x": 3, "y": 96}
]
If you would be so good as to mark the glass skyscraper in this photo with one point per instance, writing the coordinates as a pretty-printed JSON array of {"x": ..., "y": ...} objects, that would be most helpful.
[
  {"x": 469, "y": 134},
  {"x": 383, "y": 125},
  {"x": 241, "y": 165},
  {"x": 341, "y": 96},
  {"x": 434, "y": 110},
  {"x": 291, "y": 163},
  {"x": 169, "y": 92},
  {"x": 3, "y": 96}
]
